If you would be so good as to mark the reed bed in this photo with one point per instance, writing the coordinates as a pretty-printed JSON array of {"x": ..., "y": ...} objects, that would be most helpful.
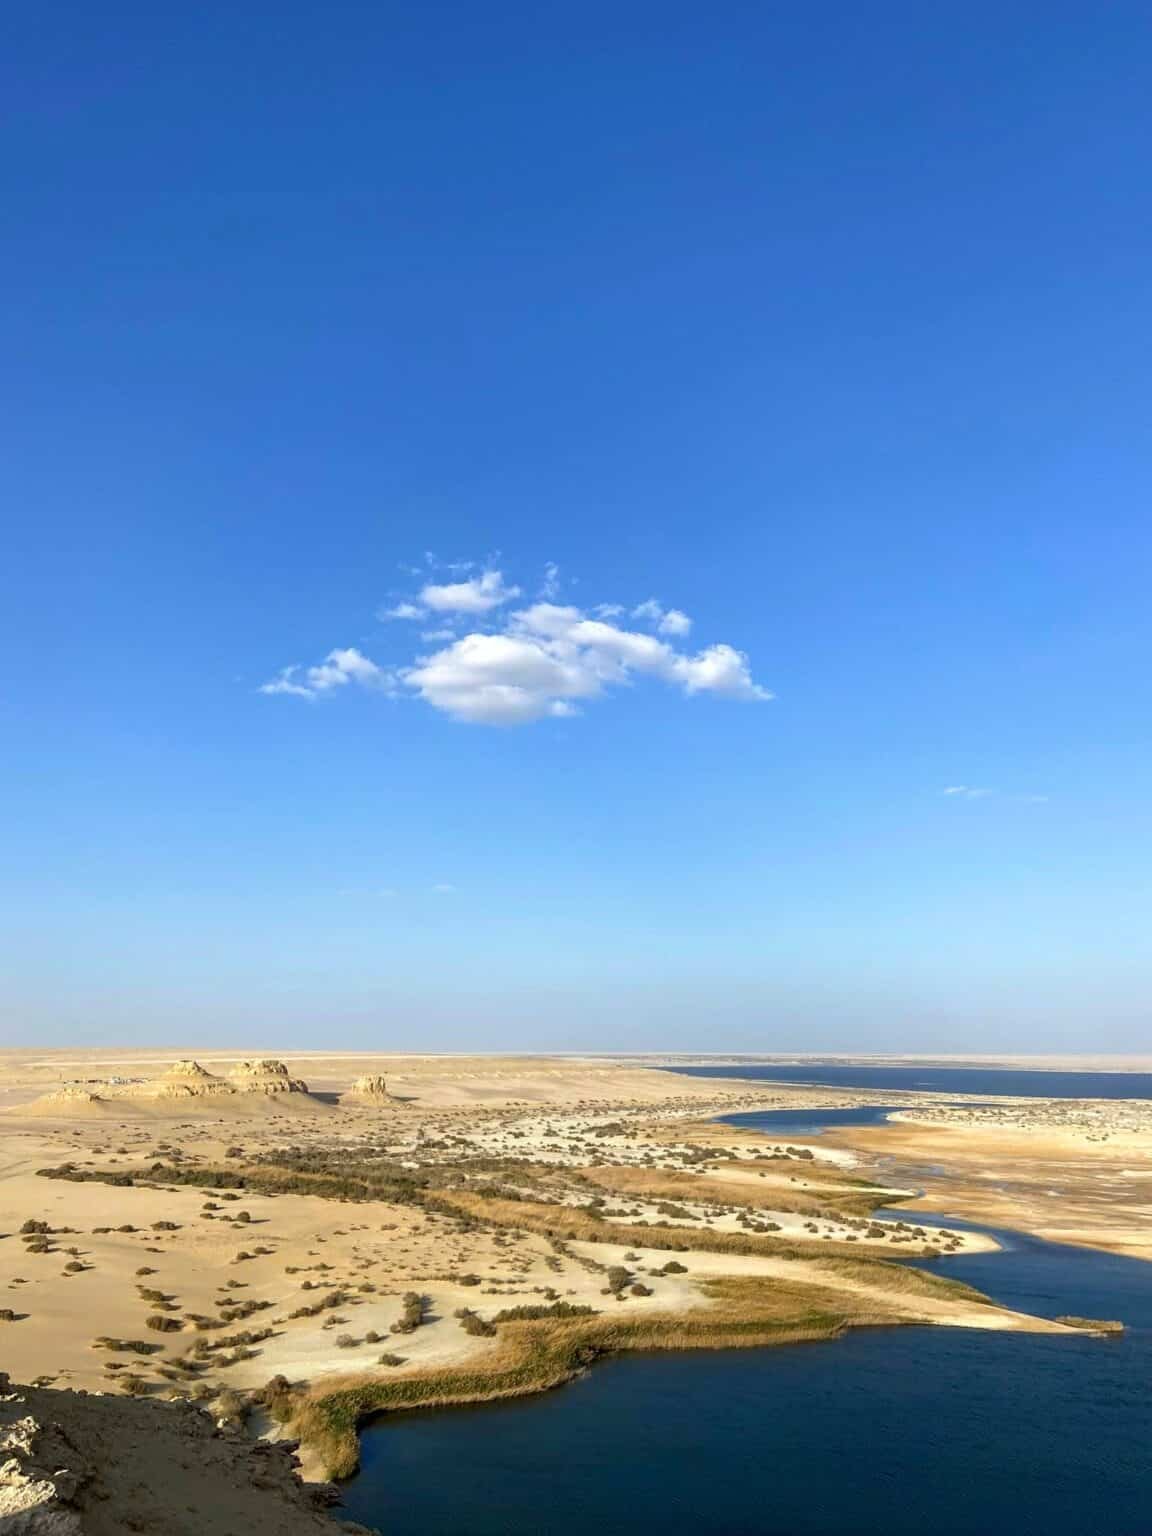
[
  {"x": 566, "y": 1223},
  {"x": 535, "y": 1356},
  {"x": 670, "y": 1184}
]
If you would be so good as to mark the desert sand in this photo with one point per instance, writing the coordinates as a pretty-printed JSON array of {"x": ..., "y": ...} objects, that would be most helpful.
[
  {"x": 192, "y": 1226},
  {"x": 1069, "y": 1171}
]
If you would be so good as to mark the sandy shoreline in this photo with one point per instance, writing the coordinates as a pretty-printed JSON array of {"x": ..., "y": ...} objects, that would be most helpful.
[{"x": 281, "y": 1235}]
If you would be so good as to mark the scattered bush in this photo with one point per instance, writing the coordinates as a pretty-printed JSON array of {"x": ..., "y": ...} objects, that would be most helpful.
[
  {"x": 533, "y": 1313},
  {"x": 474, "y": 1324},
  {"x": 413, "y": 1314}
]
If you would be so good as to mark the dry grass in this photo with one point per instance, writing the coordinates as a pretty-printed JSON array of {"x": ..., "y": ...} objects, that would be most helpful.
[
  {"x": 566, "y": 1223},
  {"x": 902, "y": 1278},
  {"x": 534, "y": 1356},
  {"x": 670, "y": 1184}
]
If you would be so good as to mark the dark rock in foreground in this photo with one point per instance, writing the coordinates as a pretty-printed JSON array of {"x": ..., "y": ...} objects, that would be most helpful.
[{"x": 88, "y": 1464}]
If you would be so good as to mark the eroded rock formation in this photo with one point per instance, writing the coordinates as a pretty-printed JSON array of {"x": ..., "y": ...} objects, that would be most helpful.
[
  {"x": 184, "y": 1081},
  {"x": 370, "y": 1089}
]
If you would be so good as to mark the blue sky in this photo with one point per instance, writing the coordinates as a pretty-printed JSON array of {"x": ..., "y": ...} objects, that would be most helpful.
[{"x": 824, "y": 327}]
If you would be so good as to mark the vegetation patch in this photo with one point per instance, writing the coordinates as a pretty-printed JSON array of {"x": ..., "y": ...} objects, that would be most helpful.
[
  {"x": 1092, "y": 1324},
  {"x": 532, "y": 1356}
]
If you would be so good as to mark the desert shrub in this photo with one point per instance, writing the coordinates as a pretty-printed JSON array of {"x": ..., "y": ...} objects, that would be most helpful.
[
  {"x": 129, "y": 1346},
  {"x": 473, "y": 1323},
  {"x": 276, "y": 1397},
  {"x": 390, "y": 1360},
  {"x": 640, "y": 1290},
  {"x": 533, "y": 1313},
  {"x": 236, "y": 1312},
  {"x": 412, "y": 1315},
  {"x": 161, "y": 1324},
  {"x": 230, "y": 1407}
]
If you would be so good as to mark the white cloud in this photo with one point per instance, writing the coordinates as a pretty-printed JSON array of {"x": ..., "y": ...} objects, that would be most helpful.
[
  {"x": 668, "y": 621},
  {"x": 282, "y": 683},
  {"x": 337, "y": 670},
  {"x": 402, "y": 611},
  {"x": 479, "y": 594},
  {"x": 542, "y": 661},
  {"x": 496, "y": 680},
  {"x": 444, "y": 889},
  {"x": 719, "y": 669},
  {"x": 973, "y": 792},
  {"x": 551, "y": 657},
  {"x": 674, "y": 623},
  {"x": 550, "y": 586}
]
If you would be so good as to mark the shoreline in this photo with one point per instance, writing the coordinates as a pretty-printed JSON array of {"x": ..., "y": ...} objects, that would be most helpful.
[{"x": 538, "y": 1213}]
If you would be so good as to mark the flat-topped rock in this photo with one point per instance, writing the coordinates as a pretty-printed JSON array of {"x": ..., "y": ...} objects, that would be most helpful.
[
  {"x": 368, "y": 1089},
  {"x": 186, "y": 1082},
  {"x": 267, "y": 1076}
]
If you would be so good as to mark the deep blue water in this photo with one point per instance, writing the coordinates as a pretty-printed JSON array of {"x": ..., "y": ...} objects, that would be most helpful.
[
  {"x": 892, "y": 1432},
  {"x": 993, "y": 1081},
  {"x": 780, "y": 1124}
]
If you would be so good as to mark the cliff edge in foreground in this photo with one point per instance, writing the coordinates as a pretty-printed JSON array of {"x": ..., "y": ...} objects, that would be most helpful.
[{"x": 80, "y": 1464}]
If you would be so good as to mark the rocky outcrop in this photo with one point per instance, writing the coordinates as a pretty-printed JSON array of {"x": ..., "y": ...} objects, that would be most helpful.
[
  {"x": 70, "y": 1095},
  {"x": 369, "y": 1089},
  {"x": 88, "y": 1464},
  {"x": 185, "y": 1082},
  {"x": 264, "y": 1077}
]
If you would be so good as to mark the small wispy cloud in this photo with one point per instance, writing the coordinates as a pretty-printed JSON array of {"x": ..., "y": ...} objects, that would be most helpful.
[
  {"x": 497, "y": 665},
  {"x": 479, "y": 594},
  {"x": 978, "y": 792},
  {"x": 443, "y": 888},
  {"x": 339, "y": 668}
]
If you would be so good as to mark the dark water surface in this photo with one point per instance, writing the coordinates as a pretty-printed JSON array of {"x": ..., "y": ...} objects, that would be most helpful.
[
  {"x": 892, "y": 1432},
  {"x": 992, "y": 1081}
]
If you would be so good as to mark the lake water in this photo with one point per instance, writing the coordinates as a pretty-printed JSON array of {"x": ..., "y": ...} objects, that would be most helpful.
[
  {"x": 989, "y": 1081},
  {"x": 892, "y": 1432}
]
